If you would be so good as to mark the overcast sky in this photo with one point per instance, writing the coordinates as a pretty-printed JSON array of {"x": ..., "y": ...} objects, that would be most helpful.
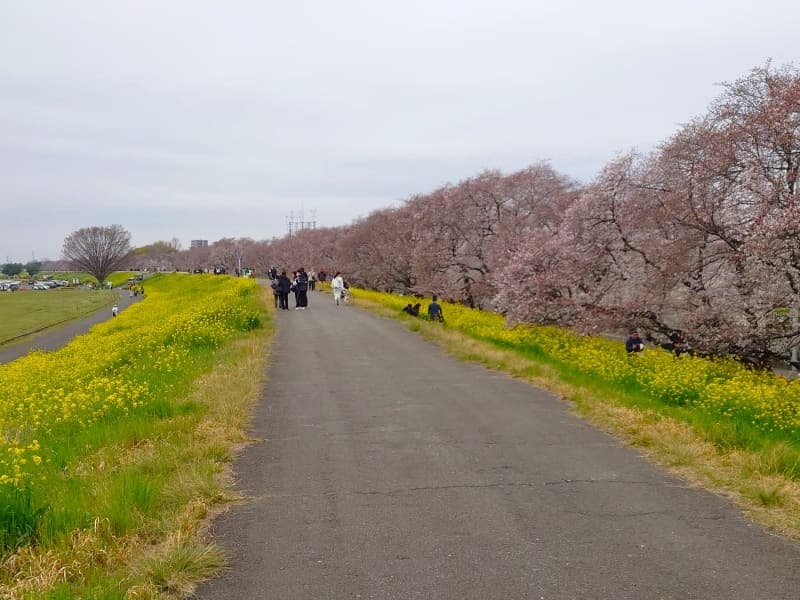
[{"x": 198, "y": 119}]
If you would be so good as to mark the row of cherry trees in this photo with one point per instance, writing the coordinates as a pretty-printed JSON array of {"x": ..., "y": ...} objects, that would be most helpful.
[{"x": 702, "y": 235}]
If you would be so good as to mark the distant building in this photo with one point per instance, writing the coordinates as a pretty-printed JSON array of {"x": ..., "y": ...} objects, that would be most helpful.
[{"x": 198, "y": 244}]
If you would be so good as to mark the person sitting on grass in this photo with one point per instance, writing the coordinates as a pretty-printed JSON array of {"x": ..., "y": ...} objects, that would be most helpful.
[
  {"x": 412, "y": 310},
  {"x": 435, "y": 311},
  {"x": 679, "y": 345}
]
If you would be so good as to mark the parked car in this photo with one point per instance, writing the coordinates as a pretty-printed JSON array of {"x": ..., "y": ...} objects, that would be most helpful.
[{"x": 41, "y": 285}]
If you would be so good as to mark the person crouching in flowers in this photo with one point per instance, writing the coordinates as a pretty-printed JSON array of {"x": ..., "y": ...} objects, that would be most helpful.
[{"x": 634, "y": 342}]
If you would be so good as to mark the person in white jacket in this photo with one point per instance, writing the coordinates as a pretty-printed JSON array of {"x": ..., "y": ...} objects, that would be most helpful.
[{"x": 337, "y": 283}]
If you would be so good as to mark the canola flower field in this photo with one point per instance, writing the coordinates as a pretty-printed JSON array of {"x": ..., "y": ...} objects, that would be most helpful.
[
  {"x": 134, "y": 364},
  {"x": 722, "y": 387}
]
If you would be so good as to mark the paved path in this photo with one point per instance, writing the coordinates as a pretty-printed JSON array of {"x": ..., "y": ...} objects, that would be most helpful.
[
  {"x": 56, "y": 337},
  {"x": 391, "y": 470}
]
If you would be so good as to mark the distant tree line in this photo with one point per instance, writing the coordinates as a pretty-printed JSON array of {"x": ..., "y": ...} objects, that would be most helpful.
[
  {"x": 13, "y": 269},
  {"x": 701, "y": 236}
]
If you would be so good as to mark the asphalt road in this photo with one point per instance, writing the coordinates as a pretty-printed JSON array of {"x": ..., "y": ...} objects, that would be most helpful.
[
  {"x": 54, "y": 338},
  {"x": 390, "y": 470}
]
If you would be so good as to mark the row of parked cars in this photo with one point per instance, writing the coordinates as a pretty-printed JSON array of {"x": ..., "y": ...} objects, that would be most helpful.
[
  {"x": 49, "y": 283},
  {"x": 9, "y": 285},
  {"x": 12, "y": 285}
]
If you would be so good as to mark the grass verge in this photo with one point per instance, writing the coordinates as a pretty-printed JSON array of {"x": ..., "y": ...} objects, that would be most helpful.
[
  {"x": 758, "y": 471},
  {"x": 154, "y": 482}
]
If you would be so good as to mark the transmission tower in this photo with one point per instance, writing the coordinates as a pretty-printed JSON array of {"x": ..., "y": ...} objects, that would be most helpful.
[{"x": 296, "y": 222}]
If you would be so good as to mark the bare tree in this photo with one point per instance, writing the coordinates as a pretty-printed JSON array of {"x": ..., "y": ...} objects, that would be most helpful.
[{"x": 98, "y": 250}]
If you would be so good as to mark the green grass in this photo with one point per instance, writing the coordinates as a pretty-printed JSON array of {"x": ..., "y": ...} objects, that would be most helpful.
[
  {"x": 25, "y": 312},
  {"x": 121, "y": 514},
  {"x": 117, "y": 278}
]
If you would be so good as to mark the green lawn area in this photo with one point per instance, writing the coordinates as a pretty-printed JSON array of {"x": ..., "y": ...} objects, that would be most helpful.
[
  {"x": 117, "y": 278},
  {"x": 27, "y": 311}
]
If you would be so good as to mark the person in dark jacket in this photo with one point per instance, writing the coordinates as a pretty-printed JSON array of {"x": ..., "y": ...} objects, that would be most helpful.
[
  {"x": 634, "y": 342},
  {"x": 284, "y": 286},
  {"x": 301, "y": 283},
  {"x": 435, "y": 310}
]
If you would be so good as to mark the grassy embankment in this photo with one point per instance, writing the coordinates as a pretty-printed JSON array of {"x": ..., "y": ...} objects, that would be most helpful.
[
  {"x": 114, "y": 449},
  {"x": 714, "y": 423}
]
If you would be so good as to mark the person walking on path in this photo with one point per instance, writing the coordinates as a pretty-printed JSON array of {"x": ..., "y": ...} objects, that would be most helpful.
[
  {"x": 273, "y": 283},
  {"x": 294, "y": 289},
  {"x": 284, "y": 286},
  {"x": 302, "y": 289},
  {"x": 114, "y": 310},
  {"x": 337, "y": 283}
]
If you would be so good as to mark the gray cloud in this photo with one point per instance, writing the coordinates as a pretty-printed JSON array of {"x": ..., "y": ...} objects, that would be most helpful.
[{"x": 187, "y": 119}]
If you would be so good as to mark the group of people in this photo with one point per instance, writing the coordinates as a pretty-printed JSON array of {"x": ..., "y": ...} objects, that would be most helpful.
[
  {"x": 434, "y": 310},
  {"x": 677, "y": 343},
  {"x": 135, "y": 290},
  {"x": 299, "y": 284},
  {"x": 282, "y": 286}
]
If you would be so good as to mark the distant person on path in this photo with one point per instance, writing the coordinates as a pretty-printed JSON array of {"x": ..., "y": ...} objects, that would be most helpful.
[
  {"x": 634, "y": 342},
  {"x": 435, "y": 311},
  {"x": 114, "y": 310},
  {"x": 284, "y": 286},
  {"x": 293, "y": 289},
  {"x": 273, "y": 283},
  {"x": 337, "y": 283},
  {"x": 302, "y": 289},
  {"x": 312, "y": 279}
]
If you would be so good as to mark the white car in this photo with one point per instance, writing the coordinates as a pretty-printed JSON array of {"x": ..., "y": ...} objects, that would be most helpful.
[{"x": 41, "y": 285}]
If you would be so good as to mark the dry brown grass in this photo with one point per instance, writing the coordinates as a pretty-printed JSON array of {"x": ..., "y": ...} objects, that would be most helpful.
[{"x": 35, "y": 569}]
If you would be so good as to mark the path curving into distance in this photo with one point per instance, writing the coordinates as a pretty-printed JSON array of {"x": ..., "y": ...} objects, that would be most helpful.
[
  {"x": 57, "y": 336},
  {"x": 388, "y": 469}
]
